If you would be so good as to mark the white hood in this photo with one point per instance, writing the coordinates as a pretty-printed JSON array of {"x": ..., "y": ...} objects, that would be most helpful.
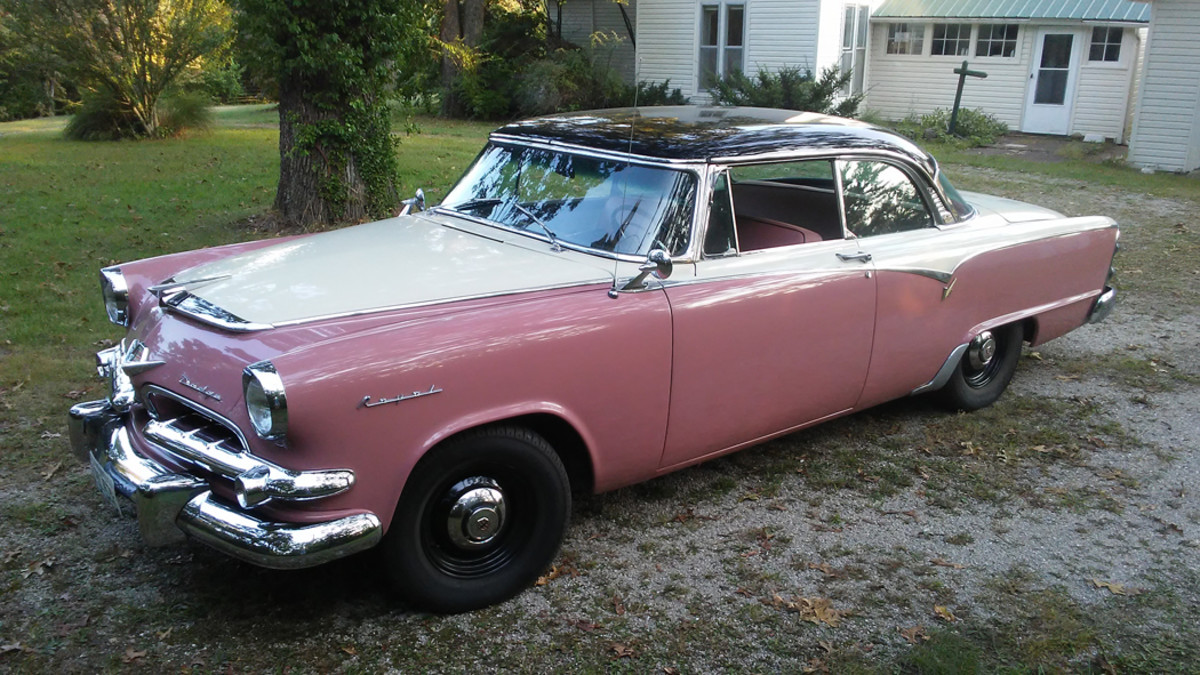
[
  {"x": 390, "y": 263},
  {"x": 1009, "y": 209}
]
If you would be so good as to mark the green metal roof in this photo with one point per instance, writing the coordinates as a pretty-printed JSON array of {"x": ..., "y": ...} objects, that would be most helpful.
[{"x": 1078, "y": 10}]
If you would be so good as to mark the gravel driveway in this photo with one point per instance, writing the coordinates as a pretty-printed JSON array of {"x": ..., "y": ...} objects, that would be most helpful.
[{"x": 1058, "y": 529}]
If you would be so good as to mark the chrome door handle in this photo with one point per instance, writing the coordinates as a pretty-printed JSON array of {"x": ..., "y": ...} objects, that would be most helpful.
[{"x": 860, "y": 256}]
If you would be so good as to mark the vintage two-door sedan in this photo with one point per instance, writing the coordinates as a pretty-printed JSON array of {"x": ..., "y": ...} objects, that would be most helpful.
[{"x": 603, "y": 297}]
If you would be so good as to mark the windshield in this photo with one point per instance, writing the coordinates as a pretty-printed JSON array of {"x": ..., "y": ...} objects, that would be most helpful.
[{"x": 603, "y": 204}]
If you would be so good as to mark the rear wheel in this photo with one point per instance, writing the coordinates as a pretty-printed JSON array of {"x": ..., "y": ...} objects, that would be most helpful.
[
  {"x": 985, "y": 369},
  {"x": 479, "y": 519}
]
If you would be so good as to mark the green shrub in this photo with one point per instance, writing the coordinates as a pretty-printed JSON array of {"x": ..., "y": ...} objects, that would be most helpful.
[
  {"x": 102, "y": 118},
  {"x": 222, "y": 82},
  {"x": 184, "y": 110},
  {"x": 788, "y": 88},
  {"x": 975, "y": 128}
]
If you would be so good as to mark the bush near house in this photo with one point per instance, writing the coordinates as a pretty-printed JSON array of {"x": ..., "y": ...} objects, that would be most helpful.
[
  {"x": 789, "y": 88},
  {"x": 975, "y": 128}
]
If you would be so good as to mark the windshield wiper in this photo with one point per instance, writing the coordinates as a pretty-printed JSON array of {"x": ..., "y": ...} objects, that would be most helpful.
[
  {"x": 472, "y": 204},
  {"x": 554, "y": 245}
]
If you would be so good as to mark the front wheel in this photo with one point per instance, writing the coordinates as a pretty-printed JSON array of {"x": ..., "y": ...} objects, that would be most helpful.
[
  {"x": 985, "y": 369},
  {"x": 479, "y": 519}
]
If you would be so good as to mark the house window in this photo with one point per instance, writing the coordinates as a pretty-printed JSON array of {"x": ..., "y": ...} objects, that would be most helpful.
[
  {"x": 854, "y": 47},
  {"x": 906, "y": 38},
  {"x": 722, "y": 41},
  {"x": 1106, "y": 44},
  {"x": 998, "y": 39},
  {"x": 951, "y": 39}
]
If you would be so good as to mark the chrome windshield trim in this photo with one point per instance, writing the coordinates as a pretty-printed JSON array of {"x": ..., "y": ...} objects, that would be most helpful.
[
  {"x": 183, "y": 302},
  {"x": 559, "y": 146}
]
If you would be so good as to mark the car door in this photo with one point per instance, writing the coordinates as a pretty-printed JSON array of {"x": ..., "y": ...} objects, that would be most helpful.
[
  {"x": 772, "y": 339},
  {"x": 893, "y": 214}
]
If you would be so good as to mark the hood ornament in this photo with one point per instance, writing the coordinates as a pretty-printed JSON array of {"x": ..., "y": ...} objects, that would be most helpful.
[{"x": 169, "y": 287}]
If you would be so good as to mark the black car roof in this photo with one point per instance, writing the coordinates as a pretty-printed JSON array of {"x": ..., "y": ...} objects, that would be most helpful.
[{"x": 704, "y": 133}]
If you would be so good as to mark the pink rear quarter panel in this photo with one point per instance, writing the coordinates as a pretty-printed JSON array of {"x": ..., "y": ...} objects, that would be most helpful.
[{"x": 1052, "y": 282}]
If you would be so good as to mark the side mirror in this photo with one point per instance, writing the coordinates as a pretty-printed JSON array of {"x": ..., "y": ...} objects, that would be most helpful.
[
  {"x": 413, "y": 204},
  {"x": 658, "y": 263}
]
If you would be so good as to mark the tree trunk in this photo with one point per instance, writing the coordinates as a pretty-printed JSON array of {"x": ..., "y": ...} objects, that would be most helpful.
[
  {"x": 318, "y": 186},
  {"x": 451, "y": 34},
  {"x": 472, "y": 22}
]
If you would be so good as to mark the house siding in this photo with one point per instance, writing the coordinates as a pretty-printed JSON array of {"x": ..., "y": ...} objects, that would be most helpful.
[
  {"x": 1166, "y": 132},
  {"x": 583, "y": 18},
  {"x": 782, "y": 33},
  {"x": 668, "y": 45},
  {"x": 1102, "y": 93},
  {"x": 902, "y": 84}
]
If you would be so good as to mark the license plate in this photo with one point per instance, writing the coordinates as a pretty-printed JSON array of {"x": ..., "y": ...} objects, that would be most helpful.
[{"x": 104, "y": 483}]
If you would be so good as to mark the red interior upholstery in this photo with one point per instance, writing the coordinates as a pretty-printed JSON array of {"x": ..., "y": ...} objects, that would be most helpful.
[{"x": 758, "y": 233}]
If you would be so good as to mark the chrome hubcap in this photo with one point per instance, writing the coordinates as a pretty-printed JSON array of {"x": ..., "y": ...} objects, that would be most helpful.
[
  {"x": 477, "y": 514},
  {"x": 981, "y": 350}
]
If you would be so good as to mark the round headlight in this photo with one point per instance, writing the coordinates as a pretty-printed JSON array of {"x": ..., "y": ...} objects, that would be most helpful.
[
  {"x": 116, "y": 295},
  {"x": 266, "y": 403}
]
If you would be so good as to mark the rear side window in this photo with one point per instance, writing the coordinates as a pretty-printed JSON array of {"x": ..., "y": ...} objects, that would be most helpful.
[{"x": 880, "y": 198}]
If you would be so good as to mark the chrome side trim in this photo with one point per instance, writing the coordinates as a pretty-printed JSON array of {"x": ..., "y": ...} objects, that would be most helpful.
[
  {"x": 170, "y": 506},
  {"x": 943, "y": 373}
]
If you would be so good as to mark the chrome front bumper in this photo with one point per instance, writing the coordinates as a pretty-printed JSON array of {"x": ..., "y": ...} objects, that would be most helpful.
[
  {"x": 170, "y": 506},
  {"x": 1104, "y": 305}
]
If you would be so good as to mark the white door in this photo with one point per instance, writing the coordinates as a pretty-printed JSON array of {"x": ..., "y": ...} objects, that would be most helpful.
[{"x": 1051, "y": 91}]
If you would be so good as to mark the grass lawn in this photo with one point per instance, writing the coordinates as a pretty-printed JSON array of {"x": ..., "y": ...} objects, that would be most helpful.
[{"x": 68, "y": 208}]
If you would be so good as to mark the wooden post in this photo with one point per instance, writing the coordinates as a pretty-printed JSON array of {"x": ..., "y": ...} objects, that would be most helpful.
[{"x": 962, "y": 72}]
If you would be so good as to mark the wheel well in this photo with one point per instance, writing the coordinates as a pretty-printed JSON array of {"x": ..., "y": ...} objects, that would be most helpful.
[
  {"x": 1029, "y": 330},
  {"x": 567, "y": 444}
]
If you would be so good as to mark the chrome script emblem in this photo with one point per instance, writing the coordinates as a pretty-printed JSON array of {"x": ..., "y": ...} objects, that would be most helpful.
[
  {"x": 367, "y": 403},
  {"x": 198, "y": 388}
]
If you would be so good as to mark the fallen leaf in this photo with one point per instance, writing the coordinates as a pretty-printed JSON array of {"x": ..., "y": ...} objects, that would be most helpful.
[
  {"x": 12, "y": 555},
  {"x": 670, "y": 670},
  {"x": 74, "y": 394},
  {"x": 13, "y": 647},
  {"x": 968, "y": 447},
  {"x": 618, "y": 605},
  {"x": 827, "y": 569},
  {"x": 813, "y": 610},
  {"x": 743, "y": 591},
  {"x": 621, "y": 651},
  {"x": 583, "y": 625},
  {"x": 53, "y": 470},
  {"x": 39, "y": 568},
  {"x": 944, "y": 613},
  {"x": 914, "y": 635},
  {"x": 349, "y": 649},
  {"x": 945, "y": 563},
  {"x": 47, "y": 435},
  {"x": 777, "y": 506},
  {"x": 131, "y": 655},
  {"x": 911, "y": 513},
  {"x": 1066, "y": 378},
  {"x": 163, "y": 635},
  {"x": 1115, "y": 589},
  {"x": 1035, "y": 355}
]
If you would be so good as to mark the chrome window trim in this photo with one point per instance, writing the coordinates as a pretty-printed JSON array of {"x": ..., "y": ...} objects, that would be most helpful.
[
  {"x": 559, "y": 146},
  {"x": 149, "y": 389}
]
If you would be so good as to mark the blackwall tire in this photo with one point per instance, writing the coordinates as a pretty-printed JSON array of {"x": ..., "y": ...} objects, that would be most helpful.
[
  {"x": 978, "y": 382},
  {"x": 480, "y": 518}
]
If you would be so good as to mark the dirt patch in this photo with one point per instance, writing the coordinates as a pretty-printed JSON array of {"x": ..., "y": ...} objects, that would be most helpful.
[
  {"x": 1038, "y": 148},
  {"x": 1059, "y": 529}
]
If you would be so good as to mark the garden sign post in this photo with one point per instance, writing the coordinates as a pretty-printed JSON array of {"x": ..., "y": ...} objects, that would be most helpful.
[{"x": 962, "y": 72}]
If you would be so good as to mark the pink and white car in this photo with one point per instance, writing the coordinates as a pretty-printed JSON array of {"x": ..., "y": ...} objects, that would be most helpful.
[{"x": 603, "y": 298}]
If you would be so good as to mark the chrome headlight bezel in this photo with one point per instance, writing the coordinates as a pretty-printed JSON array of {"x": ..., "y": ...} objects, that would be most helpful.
[
  {"x": 116, "y": 295},
  {"x": 266, "y": 402}
]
